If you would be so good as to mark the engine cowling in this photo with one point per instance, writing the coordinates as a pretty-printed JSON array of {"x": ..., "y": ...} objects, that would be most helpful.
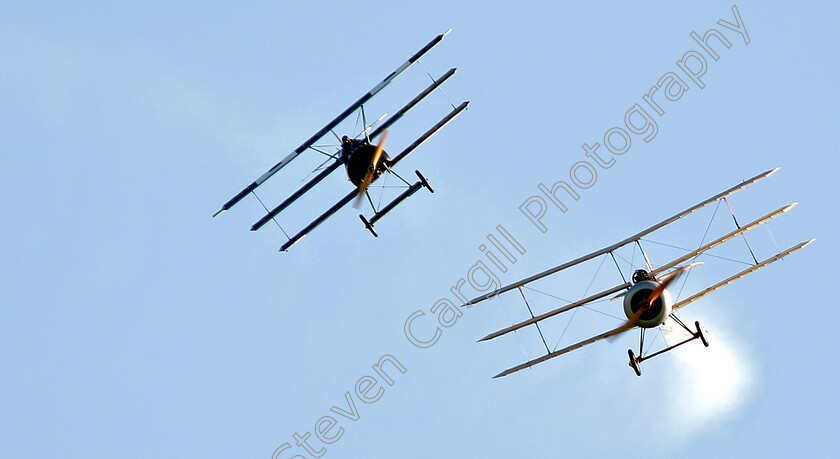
[
  {"x": 638, "y": 295},
  {"x": 358, "y": 159}
]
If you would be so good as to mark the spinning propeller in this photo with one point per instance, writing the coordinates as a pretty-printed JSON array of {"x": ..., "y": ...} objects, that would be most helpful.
[
  {"x": 371, "y": 172},
  {"x": 671, "y": 277}
]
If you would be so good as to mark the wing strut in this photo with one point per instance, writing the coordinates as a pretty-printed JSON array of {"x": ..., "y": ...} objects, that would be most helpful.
[
  {"x": 532, "y": 316},
  {"x": 737, "y": 225}
]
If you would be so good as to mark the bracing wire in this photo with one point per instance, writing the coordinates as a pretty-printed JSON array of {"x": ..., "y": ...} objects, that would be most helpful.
[{"x": 272, "y": 218}]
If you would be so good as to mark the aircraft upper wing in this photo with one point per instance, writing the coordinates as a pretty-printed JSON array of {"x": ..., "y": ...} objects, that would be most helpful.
[{"x": 629, "y": 240}]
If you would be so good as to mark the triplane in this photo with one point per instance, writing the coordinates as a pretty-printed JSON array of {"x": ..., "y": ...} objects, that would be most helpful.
[
  {"x": 646, "y": 300},
  {"x": 364, "y": 160}
]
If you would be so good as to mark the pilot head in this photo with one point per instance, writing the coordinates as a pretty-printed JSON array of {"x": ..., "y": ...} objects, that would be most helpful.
[{"x": 640, "y": 275}]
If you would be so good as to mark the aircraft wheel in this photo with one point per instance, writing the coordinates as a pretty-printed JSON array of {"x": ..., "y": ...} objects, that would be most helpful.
[
  {"x": 700, "y": 333},
  {"x": 634, "y": 364},
  {"x": 368, "y": 225}
]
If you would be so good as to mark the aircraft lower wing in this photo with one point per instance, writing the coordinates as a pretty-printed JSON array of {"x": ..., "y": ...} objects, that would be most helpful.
[
  {"x": 554, "y": 312},
  {"x": 594, "y": 339},
  {"x": 740, "y": 275}
]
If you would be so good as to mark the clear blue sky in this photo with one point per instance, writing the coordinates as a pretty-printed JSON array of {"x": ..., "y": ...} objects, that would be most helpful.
[{"x": 134, "y": 325}]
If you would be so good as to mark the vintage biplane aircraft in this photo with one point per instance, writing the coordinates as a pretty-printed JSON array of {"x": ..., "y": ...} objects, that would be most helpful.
[
  {"x": 364, "y": 161},
  {"x": 646, "y": 300}
]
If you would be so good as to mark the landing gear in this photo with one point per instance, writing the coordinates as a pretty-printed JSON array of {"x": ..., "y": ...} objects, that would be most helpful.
[
  {"x": 423, "y": 182},
  {"x": 635, "y": 362}
]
